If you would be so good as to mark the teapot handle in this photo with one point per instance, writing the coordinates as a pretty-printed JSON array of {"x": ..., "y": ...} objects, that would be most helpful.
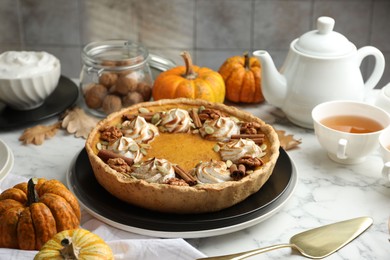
[{"x": 379, "y": 65}]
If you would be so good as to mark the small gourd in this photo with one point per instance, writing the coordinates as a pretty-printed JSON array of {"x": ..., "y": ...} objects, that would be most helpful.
[
  {"x": 189, "y": 81},
  {"x": 32, "y": 213},
  {"x": 75, "y": 244},
  {"x": 242, "y": 76}
]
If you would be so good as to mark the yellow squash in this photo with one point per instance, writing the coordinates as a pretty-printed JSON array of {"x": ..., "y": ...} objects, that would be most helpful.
[{"x": 75, "y": 244}]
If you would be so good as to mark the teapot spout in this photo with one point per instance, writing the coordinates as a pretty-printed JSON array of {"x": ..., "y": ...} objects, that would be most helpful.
[{"x": 273, "y": 84}]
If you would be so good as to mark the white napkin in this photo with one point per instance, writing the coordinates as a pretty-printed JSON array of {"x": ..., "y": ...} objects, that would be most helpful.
[{"x": 125, "y": 245}]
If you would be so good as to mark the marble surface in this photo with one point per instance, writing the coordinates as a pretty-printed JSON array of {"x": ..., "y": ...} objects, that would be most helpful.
[{"x": 326, "y": 192}]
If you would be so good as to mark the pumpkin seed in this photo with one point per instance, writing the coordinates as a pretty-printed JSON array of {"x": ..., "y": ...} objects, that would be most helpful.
[
  {"x": 216, "y": 148},
  {"x": 99, "y": 146},
  {"x": 162, "y": 170},
  {"x": 155, "y": 118},
  {"x": 136, "y": 165},
  {"x": 146, "y": 146},
  {"x": 201, "y": 108},
  {"x": 133, "y": 148},
  {"x": 263, "y": 147},
  {"x": 162, "y": 129},
  {"x": 209, "y": 130},
  {"x": 143, "y": 151},
  {"x": 196, "y": 131},
  {"x": 143, "y": 110},
  {"x": 235, "y": 119},
  {"x": 261, "y": 155},
  {"x": 249, "y": 172},
  {"x": 229, "y": 163}
]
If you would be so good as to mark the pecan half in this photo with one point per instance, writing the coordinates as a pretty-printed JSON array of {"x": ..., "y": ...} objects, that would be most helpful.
[
  {"x": 110, "y": 134},
  {"x": 209, "y": 114},
  {"x": 119, "y": 165},
  {"x": 177, "y": 182},
  {"x": 250, "y": 128},
  {"x": 250, "y": 161}
]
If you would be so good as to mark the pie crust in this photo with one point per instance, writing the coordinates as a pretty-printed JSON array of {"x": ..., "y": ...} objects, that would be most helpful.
[{"x": 200, "y": 198}]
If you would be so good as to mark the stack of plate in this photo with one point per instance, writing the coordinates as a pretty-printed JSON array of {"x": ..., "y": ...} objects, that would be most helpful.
[{"x": 6, "y": 160}]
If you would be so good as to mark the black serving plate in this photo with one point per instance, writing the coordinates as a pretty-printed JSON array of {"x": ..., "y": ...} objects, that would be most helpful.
[
  {"x": 62, "y": 98},
  {"x": 106, "y": 207}
]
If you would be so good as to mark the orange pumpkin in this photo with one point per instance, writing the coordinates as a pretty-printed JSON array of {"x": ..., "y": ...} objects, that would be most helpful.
[
  {"x": 189, "y": 81},
  {"x": 32, "y": 213},
  {"x": 242, "y": 76}
]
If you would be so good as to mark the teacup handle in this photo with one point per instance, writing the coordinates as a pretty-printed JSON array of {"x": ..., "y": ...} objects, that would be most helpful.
[
  {"x": 386, "y": 171},
  {"x": 341, "y": 148},
  {"x": 379, "y": 65}
]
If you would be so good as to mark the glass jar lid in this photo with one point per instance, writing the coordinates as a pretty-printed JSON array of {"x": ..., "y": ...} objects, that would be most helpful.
[
  {"x": 117, "y": 54},
  {"x": 324, "y": 41}
]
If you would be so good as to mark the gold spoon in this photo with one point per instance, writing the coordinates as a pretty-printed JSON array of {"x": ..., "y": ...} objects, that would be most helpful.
[{"x": 315, "y": 243}]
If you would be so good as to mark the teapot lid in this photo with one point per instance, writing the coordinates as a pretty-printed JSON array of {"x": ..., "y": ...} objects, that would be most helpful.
[{"x": 324, "y": 41}]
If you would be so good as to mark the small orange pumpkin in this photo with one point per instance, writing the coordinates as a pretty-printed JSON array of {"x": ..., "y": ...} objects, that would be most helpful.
[
  {"x": 32, "y": 213},
  {"x": 242, "y": 76},
  {"x": 189, "y": 81}
]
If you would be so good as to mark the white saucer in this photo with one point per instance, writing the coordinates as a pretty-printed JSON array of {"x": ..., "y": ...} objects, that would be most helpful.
[{"x": 6, "y": 160}]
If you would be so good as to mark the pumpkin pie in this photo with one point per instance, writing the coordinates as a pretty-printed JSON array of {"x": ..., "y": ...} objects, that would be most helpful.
[{"x": 182, "y": 155}]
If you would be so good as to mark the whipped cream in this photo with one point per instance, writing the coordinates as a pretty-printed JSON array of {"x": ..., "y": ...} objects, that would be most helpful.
[
  {"x": 139, "y": 130},
  {"x": 154, "y": 170},
  {"x": 212, "y": 172},
  {"x": 220, "y": 129},
  {"x": 127, "y": 147},
  {"x": 236, "y": 149},
  {"x": 22, "y": 64},
  {"x": 175, "y": 121}
]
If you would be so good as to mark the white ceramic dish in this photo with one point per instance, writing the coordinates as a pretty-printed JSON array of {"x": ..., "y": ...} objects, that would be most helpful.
[
  {"x": 31, "y": 77},
  {"x": 383, "y": 99},
  {"x": 6, "y": 160}
]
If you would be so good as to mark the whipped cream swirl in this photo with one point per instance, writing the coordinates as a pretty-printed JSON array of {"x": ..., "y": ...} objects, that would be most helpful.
[
  {"x": 22, "y": 64},
  {"x": 127, "y": 147},
  {"x": 154, "y": 170},
  {"x": 220, "y": 129},
  {"x": 175, "y": 121},
  {"x": 212, "y": 172},
  {"x": 139, "y": 130},
  {"x": 236, "y": 149}
]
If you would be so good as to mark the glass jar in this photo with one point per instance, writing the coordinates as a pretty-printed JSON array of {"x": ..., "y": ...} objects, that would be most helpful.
[{"x": 115, "y": 74}]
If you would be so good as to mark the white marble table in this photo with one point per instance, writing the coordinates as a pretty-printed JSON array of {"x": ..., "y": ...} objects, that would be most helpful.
[{"x": 326, "y": 192}]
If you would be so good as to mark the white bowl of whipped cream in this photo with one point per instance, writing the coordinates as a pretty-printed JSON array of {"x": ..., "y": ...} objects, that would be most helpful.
[{"x": 27, "y": 78}]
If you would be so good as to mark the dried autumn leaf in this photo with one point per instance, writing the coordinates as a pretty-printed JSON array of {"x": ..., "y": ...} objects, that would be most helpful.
[
  {"x": 287, "y": 142},
  {"x": 37, "y": 134},
  {"x": 77, "y": 122}
]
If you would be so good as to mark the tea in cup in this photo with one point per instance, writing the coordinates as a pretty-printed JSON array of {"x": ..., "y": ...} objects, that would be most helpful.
[
  {"x": 349, "y": 130},
  {"x": 384, "y": 141}
]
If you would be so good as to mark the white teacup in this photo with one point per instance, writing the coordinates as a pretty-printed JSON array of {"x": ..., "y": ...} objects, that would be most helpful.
[
  {"x": 384, "y": 141},
  {"x": 383, "y": 99},
  {"x": 345, "y": 144}
]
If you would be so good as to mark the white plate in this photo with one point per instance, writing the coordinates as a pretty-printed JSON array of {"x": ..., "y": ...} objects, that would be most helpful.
[{"x": 6, "y": 160}]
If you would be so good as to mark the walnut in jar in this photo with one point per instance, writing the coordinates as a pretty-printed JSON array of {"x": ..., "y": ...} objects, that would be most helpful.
[
  {"x": 131, "y": 99},
  {"x": 111, "y": 103},
  {"x": 125, "y": 85},
  {"x": 145, "y": 90},
  {"x": 94, "y": 95},
  {"x": 108, "y": 79}
]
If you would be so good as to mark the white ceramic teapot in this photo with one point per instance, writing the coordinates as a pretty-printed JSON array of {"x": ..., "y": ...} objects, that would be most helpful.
[{"x": 321, "y": 65}]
